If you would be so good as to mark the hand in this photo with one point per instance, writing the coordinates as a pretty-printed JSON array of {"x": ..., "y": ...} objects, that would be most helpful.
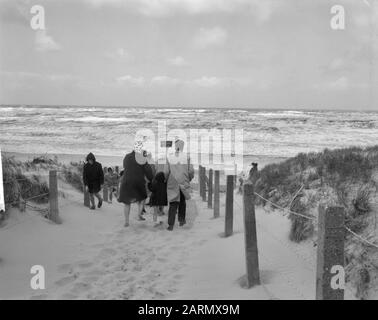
[{"x": 86, "y": 189}]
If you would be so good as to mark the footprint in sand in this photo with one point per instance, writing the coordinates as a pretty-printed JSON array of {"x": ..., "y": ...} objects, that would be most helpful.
[
  {"x": 85, "y": 264},
  {"x": 138, "y": 268},
  {"x": 90, "y": 279},
  {"x": 81, "y": 287},
  {"x": 62, "y": 282},
  {"x": 162, "y": 260},
  {"x": 178, "y": 276},
  {"x": 120, "y": 275},
  {"x": 130, "y": 279},
  {"x": 106, "y": 253},
  {"x": 65, "y": 268},
  {"x": 175, "y": 248},
  {"x": 96, "y": 272}
]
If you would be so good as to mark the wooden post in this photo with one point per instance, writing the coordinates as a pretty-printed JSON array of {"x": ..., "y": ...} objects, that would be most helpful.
[
  {"x": 200, "y": 180},
  {"x": 250, "y": 237},
  {"x": 331, "y": 234},
  {"x": 86, "y": 198},
  {"x": 53, "y": 197},
  {"x": 216, "y": 194},
  {"x": 229, "y": 216},
  {"x": 204, "y": 184},
  {"x": 210, "y": 190},
  {"x": 105, "y": 187}
]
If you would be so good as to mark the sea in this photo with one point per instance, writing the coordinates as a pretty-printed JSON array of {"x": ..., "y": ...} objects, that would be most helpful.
[{"x": 110, "y": 131}]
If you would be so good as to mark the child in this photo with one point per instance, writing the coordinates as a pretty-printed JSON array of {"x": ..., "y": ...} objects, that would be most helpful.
[
  {"x": 158, "y": 199},
  {"x": 111, "y": 180}
]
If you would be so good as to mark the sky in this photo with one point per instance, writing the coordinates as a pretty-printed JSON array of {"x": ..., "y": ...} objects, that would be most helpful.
[{"x": 190, "y": 53}]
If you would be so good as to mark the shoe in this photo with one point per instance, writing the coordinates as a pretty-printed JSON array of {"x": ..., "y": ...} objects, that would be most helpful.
[
  {"x": 141, "y": 218},
  {"x": 182, "y": 223},
  {"x": 126, "y": 224},
  {"x": 92, "y": 208},
  {"x": 158, "y": 224},
  {"x": 99, "y": 203},
  {"x": 170, "y": 228}
]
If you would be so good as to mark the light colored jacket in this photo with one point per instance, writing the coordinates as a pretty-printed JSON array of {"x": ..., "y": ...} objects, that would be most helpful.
[{"x": 180, "y": 172}]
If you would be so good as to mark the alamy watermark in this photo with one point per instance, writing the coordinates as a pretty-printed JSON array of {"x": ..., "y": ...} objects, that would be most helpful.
[{"x": 219, "y": 148}]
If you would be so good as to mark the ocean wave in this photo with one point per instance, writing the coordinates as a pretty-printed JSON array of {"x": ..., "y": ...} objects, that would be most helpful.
[{"x": 110, "y": 129}]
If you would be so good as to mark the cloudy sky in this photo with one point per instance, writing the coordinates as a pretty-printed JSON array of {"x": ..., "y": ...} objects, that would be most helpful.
[{"x": 190, "y": 53}]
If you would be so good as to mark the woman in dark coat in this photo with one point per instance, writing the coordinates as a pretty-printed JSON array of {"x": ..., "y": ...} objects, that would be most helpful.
[
  {"x": 133, "y": 184},
  {"x": 93, "y": 179}
]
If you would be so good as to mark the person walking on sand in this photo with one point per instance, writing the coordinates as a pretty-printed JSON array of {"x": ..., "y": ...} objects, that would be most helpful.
[
  {"x": 181, "y": 172},
  {"x": 158, "y": 198},
  {"x": 133, "y": 184},
  {"x": 111, "y": 181},
  {"x": 93, "y": 179}
]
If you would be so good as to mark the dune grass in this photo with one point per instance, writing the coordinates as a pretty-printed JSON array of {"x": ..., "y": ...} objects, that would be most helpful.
[{"x": 344, "y": 177}]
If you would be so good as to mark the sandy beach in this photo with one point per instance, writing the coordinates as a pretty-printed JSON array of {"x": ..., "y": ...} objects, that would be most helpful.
[{"x": 92, "y": 256}]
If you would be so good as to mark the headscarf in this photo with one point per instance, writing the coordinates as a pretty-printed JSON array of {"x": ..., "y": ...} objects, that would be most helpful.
[
  {"x": 179, "y": 144},
  {"x": 91, "y": 156}
]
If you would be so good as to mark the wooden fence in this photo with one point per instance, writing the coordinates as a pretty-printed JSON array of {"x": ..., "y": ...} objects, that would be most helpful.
[
  {"x": 331, "y": 233},
  {"x": 331, "y": 229}
]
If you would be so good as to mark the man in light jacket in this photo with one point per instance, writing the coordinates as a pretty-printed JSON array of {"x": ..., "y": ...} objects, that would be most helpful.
[{"x": 180, "y": 173}]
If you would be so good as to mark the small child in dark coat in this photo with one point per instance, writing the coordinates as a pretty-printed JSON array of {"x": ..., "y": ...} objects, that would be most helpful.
[{"x": 158, "y": 199}]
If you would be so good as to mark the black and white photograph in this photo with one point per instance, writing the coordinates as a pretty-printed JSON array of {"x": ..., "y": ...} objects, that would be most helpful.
[{"x": 188, "y": 150}]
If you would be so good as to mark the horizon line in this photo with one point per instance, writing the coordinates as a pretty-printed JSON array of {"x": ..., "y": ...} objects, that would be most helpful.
[{"x": 187, "y": 108}]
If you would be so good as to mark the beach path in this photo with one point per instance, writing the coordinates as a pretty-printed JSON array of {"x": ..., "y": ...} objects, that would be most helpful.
[{"x": 92, "y": 256}]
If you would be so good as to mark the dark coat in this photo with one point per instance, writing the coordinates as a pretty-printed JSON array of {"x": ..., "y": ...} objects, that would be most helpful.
[
  {"x": 158, "y": 187},
  {"x": 93, "y": 176},
  {"x": 133, "y": 183}
]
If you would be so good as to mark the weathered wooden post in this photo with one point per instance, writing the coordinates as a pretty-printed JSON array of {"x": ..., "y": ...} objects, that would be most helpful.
[
  {"x": 210, "y": 190},
  {"x": 330, "y": 255},
  {"x": 216, "y": 194},
  {"x": 250, "y": 236},
  {"x": 200, "y": 179},
  {"x": 86, "y": 197},
  {"x": 229, "y": 216},
  {"x": 204, "y": 184},
  {"x": 105, "y": 188},
  {"x": 53, "y": 197}
]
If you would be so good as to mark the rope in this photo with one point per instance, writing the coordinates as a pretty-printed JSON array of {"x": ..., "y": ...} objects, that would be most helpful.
[
  {"x": 37, "y": 209},
  {"x": 285, "y": 274},
  {"x": 279, "y": 207},
  {"x": 361, "y": 239},
  {"x": 313, "y": 218},
  {"x": 25, "y": 200},
  {"x": 39, "y": 196},
  {"x": 283, "y": 244},
  {"x": 10, "y": 181},
  {"x": 304, "y": 259}
]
